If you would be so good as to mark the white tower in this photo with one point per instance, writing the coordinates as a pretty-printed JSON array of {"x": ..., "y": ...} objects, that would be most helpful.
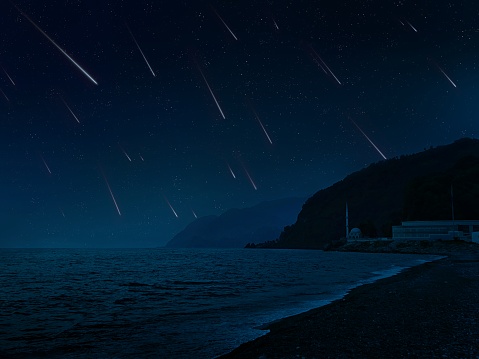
[{"x": 347, "y": 221}]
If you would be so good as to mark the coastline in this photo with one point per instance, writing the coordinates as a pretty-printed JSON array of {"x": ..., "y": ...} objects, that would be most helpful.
[{"x": 429, "y": 310}]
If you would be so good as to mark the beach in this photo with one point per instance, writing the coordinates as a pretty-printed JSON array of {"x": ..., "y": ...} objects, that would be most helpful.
[{"x": 427, "y": 311}]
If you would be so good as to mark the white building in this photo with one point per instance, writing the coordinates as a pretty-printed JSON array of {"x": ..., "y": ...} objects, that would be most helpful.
[
  {"x": 466, "y": 230},
  {"x": 355, "y": 234}
]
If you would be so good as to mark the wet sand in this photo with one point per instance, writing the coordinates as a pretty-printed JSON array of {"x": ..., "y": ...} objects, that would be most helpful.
[{"x": 428, "y": 311}]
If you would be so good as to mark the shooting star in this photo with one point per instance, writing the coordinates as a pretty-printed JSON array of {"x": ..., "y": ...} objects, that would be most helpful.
[
  {"x": 141, "y": 157},
  {"x": 412, "y": 27},
  {"x": 324, "y": 63},
  {"x": 3, "y": 93},
  {"x": 171, "y": 207},
  {"x": 452, "y": 83},
  {"x": 264, "y": 129},
  {"x": 211, "y": 92},
  {"x": 124, "y": 152},
  {"x": 141, "y": 52},
  {"x": 401, "y": 22},
  {"x": 194, "y": 214},
  {"x": 61, "y": 210},
  {"x": 111, "y": 193},
  {"x": 57, "y": 46},
  {"x": 275, "y": 24},
  {"x": 249, "y": 177},
  {"x": 45, "y": 163},
  {"x": 6, "y": 73},
  {"x": 69, "y": 109},
  {"x": 322, "y": 68},
  {"x": 224, "y": 23},
  {"x": 371, "y": 142},
  {"x": 231, "y": 171}
]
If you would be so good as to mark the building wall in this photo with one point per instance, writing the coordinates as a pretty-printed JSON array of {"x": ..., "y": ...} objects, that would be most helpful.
[{"x": 433, "y": 230}]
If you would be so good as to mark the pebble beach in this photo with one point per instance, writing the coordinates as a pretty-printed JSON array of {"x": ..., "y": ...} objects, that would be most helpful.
[{"x": 427, "y": 311}]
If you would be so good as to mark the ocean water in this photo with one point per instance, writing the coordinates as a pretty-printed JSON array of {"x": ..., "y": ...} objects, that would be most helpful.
[{"x": 166, "y": 303}]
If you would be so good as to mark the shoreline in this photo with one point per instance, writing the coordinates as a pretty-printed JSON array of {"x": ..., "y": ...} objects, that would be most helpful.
[{"x": 428, "y": 310}]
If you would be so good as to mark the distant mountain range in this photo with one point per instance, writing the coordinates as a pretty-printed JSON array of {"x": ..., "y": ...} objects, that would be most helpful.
[
  {"x": 237, "y": 227},
  {"x": 412, "y": 187}
]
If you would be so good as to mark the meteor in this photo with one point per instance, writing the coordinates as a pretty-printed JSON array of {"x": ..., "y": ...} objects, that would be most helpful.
[
  {"x": 141, "y": 157},
  {"x": 194, "y": 214},
  {"x": 224, "y": 23},
  {"x": 124, "y": 152},
  {"x": 453, "y": 84},
  {"x": 57, "y": 46},
  {"x": 111, "y": 193},
  {"x": 324, "y": 63},
  {"x": 171, "y": 207},
  {"x": 261, "y": 124},
  {"x": 410, "y": 25},
  {"x": 211, "y": 92},
  {"x": 231, "y": 171},
  {"x": 275, "y": 24},
  {"x": 6, "y": 73},
  {"x": 371, "y": 142},
  {"x": 249, "y": 177},
  {"x": 61, "y": 210},
  {"x": 322, "y": 68},
  {"x": 45, "y": 163},
  {"x": 141, "y": 52},
  {"x": 69, "y": 109},
  {"x": 3, "y": 93}
]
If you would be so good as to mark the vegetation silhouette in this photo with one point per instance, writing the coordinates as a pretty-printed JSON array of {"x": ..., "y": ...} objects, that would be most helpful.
[{"x": 412, "y": 187}]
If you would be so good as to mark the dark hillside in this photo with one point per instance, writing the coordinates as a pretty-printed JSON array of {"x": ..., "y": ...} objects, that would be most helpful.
[{"x": 411, "y": 187}]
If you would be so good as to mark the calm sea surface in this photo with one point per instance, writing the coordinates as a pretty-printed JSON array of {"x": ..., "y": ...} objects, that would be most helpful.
[{"x": 165, "y": 303}]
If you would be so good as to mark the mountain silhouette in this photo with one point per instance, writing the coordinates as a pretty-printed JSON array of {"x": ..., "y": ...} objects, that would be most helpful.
[
  {"x": 411, "y": 187},
  {"x": 237, "y": 227}
]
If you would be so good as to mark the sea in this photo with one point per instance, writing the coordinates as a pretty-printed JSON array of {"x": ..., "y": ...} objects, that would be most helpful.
[{"x": 166, "y": 303}]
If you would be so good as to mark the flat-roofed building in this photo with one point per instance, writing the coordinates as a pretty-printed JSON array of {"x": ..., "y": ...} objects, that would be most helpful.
[{"x": 433, "y": 230}]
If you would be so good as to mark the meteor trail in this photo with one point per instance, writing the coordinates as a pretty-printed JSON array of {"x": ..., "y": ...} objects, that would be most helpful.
[
  {"x": 111, "y": 193},
  {"x": 224, "y": 23},
  {"x": 324, "y": 63},
  {"x": 3, "y": 93},
  {"x": 171, "y": 207},
  {"x": 249, "y": 177},
  {"x": 453, "y": 84},
  {"x": 194, "y": 214},
  {"x": 322, "y": 68},
  {"x": 6, "y": 73},
  {"x": 126, "y": 154},
  {"x": 231, "y": 171},
  {"x": 371, "y": 142},
  {"x": 69, "y": 109},
  {"x": 141, "y": 157},
  {"x": 275, "y": 24},
  {"x": 261, "y": 124},
  {"x": 57, "y": 46},
  {"x": 61, "y": 210},
  {"x": 141, "y": 52},
  {"x": 412, "y": 27},
  {"x": 211, "y": 92},
  {"x": 45, "y": 163}
]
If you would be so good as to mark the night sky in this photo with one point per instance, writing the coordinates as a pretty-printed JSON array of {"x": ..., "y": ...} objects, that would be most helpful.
[{"x": 128, "y": 106}]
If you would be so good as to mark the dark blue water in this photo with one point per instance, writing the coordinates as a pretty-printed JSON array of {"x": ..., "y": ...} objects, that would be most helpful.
[{"x": 169, "y": 303}]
